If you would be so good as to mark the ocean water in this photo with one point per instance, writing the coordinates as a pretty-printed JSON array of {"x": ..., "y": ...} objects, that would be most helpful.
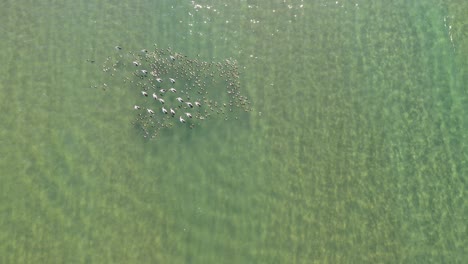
[{"x": 355, "y": 150}]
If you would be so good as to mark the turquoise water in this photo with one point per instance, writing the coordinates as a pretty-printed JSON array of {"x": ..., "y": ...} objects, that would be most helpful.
[{"x": 355, "y": 150}]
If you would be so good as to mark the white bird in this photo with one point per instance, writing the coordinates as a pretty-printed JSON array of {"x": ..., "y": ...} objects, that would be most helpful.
[
  {"x": 136, "y": 107},
  {"x": 173, "y": 90},
  {"x": 180, "y": 100},
  {"x": 161, "y": 100},
  {"x": 172, "y": 111},
  {"x": 136, "y": 63},
  {"x": 190, "y": 104},
  {"x": 144, "y": 93},
  {"x": 197, "y": 104},
  {"x": 164, "y": 110},
  {"x": 172, "y": 80},
  {"x": 155, "y": 96},
  {"x": 162, "y": 90},
  {"x": 150, "y": 111},
  {"x": 188, "y": 115},
  {"x": 158, "y": 79},
  {"x": 172, "y": 57},
  {"x": 181, "y": 119},
  {"x": 144, "y": 72}
]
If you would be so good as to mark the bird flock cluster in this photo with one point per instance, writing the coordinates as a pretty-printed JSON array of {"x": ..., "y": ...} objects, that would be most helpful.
[{"x": 172, "y": 90}]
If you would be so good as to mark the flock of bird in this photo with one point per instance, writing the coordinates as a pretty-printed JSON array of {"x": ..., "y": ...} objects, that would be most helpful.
[
  {"x": 175, "y": 87},
  {"x": 162, "y": 101}
]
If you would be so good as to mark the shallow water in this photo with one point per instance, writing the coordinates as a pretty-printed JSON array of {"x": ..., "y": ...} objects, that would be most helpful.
[{"x": 355, "y": 151}]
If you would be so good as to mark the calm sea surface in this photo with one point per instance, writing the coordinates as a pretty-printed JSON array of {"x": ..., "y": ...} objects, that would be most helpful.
[{"x": 356, "y": 150}]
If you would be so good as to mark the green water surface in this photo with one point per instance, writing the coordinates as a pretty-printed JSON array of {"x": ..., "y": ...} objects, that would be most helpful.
[{"x": 356, "y": 150}]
